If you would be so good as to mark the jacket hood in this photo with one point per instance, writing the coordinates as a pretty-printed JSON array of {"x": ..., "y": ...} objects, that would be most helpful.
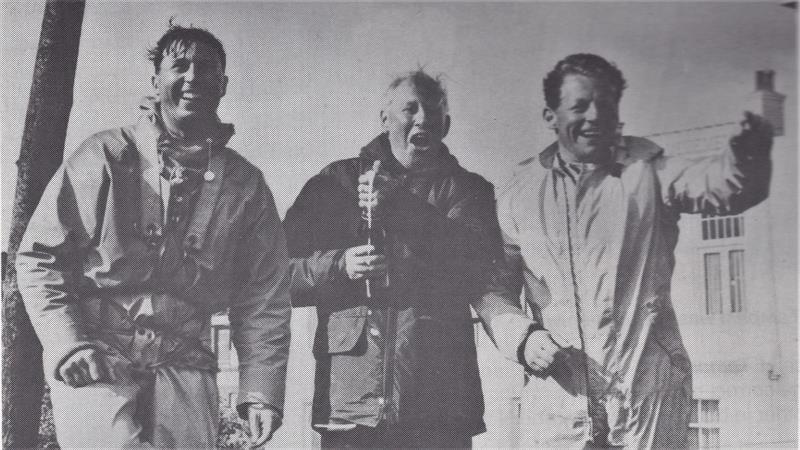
[{"x": 379, "y": 149}]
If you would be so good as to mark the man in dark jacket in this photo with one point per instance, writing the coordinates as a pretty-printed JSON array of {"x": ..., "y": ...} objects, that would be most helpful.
[{"x": 397, "y": 366}]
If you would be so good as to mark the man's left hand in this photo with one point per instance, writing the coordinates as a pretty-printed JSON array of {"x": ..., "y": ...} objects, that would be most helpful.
[
  {"x": 755, "y": 136},
  {"x": 375, "y": 187},
  {"x": 263, "y": 423}
]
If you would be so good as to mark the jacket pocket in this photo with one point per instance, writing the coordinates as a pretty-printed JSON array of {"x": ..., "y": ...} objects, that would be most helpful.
[{"x": 342, "y": 332}]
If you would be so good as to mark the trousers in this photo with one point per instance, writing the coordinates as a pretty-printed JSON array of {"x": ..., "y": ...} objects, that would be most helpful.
[
  {"x": 395, "y": 436},
  {"x": 161, "y": 407}
]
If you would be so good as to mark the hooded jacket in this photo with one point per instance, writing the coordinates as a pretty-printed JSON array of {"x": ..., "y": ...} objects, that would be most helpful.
[
  {"x": 406, "y": 355},
  {"x": 100, "y": 237}
]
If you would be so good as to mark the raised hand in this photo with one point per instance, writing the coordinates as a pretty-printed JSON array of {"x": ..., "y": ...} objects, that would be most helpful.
[{"x": 755, "y": 136}]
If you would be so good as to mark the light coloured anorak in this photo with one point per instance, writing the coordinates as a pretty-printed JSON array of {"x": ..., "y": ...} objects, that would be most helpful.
[{"x": 603, "y": 236}]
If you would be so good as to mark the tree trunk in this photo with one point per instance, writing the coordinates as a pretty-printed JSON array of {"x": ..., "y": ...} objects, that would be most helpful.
[{"x": 41, "y": 153}]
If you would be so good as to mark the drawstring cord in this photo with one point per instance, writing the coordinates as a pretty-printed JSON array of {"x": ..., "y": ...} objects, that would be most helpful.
[{"x": 578, "y": 308}]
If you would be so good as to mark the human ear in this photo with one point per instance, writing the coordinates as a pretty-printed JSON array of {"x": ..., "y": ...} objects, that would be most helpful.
[
  {"x": 384, "y": 118},
  {"x": 446, "y": 125},
  {"x": 224, "y": 86},
  {"x": 549, "y": 117},
  {"x": 154, "y": 82}
]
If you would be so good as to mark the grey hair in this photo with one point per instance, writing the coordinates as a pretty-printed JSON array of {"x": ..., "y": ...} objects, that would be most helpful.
[{"x": 428, "y": 86}]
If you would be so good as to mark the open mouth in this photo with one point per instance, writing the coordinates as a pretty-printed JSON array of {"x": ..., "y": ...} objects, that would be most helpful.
[
  {"x": 421, "y": 139},
  {"x": 191, "y": 96},
  {"x": 592, "y": 132}
]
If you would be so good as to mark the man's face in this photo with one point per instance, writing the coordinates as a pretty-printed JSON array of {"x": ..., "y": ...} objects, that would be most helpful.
[
  {"x": 586, "y": 119},
  {"x": 416, "y": 123},
  {"x": 190, "y": 83}
]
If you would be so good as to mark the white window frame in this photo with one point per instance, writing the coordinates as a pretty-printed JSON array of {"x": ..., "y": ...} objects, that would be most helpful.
[
  {"x": 702, "y": 425},
  {"x": 722, "y": 228},
  {"x": 727, "y": 283}
]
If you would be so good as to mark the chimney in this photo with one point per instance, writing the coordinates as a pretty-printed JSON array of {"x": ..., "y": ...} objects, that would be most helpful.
[
  {"x": 765, "y": 80},
  {"x": 768, "y": 103}
]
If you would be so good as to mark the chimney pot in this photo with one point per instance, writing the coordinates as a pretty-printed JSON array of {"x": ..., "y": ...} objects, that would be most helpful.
[{"x": 765, "y": 80}]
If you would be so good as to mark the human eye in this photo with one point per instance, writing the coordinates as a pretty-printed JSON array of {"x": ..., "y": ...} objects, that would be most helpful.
[
  {"x": 580, "y": 106},
  {"x": 180, "y": 65},
  {"x": 410, "y": 108},
  {"x": 205, "y": 65}
]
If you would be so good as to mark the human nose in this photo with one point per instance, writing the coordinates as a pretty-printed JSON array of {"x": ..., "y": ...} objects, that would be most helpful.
[
  {"x": 420, "y": 115},
  {"x": 190, "y": 73},
  {"x": 591, "y": 113}
]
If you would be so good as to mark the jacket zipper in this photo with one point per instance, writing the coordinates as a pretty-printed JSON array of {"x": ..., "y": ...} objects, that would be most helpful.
[{"x": 388, "y": 361}]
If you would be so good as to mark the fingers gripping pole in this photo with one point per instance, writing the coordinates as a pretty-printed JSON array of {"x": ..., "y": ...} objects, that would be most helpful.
[{"x": 370, "y": 186}]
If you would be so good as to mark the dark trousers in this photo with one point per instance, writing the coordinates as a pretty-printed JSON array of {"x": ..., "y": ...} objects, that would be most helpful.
[{"x": 394, "y": 436}]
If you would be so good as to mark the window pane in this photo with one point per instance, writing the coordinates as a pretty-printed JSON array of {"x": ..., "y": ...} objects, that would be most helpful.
[
  {"x": 710, "y": 438},
  {"x": 709, "y": 411},
  {"x": 736, "y": 262},
  {"x": 713, "y": 228},
  {"x": 223, "y": 344},
  {"x": 713, "y": 283},
  {"x": 233, "y": 358},
  {"x": 705, "y": 229},
  {"x": 728, "y": 230},
  {"x": 694, "y": 440},
  {"x": 736, "y": 231}
]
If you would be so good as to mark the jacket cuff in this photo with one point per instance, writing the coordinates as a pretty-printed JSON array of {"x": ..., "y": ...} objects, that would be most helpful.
[
  {"x": 66, "y": 354},
  {"x": 248, "y": 398},
  {"x": 521, "y": 349},
  {"x": 509, "y": 330}
]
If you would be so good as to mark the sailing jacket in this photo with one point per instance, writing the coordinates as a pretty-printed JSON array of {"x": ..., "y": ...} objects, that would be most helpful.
[
  {"x": 593, "y": 247},
  {"x": 407, "y": 355},
  {"x": 100, "y": 258}
]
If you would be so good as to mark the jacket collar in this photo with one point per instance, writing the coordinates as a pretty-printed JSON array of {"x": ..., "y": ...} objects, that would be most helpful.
[
  {"x": 150, "y": 137},
  {"x": 379, "y": 149},
  {"x": 550, "y": 159}
]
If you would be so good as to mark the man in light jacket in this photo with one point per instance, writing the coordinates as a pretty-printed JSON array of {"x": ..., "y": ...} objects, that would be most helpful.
[
  {"x": 589, "y": 227},
  {"x": 142, "y": 235}
]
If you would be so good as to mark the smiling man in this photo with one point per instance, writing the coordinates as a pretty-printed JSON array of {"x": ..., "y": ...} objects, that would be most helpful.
[
  {"x": 142, "y": 235},
  {"x": 396, "y": 361},
  {"x": 590, "y": 227}
]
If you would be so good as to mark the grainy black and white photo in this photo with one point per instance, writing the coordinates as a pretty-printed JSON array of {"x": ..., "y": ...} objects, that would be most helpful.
[{"x": 246, "y": 224}]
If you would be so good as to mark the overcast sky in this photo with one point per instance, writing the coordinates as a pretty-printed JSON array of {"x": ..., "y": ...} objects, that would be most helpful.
[{"x": 306, "y": 79}]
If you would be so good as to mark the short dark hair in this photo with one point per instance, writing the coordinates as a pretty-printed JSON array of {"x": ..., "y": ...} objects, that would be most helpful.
[
  {"x": 428, "y": 86},
  {"x": 177, "y": 34},
  {"x": 586, "y": 64}
]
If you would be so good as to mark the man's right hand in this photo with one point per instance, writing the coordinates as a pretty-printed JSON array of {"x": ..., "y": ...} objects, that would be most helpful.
[
  {"x": 84, "y": 367},
  {"x": 361, "y": 262},
  {"x": 540, "y": 350}
]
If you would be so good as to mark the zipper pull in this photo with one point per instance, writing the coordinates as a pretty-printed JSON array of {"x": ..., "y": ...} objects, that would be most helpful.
[{"x": 209, "y": 175}]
